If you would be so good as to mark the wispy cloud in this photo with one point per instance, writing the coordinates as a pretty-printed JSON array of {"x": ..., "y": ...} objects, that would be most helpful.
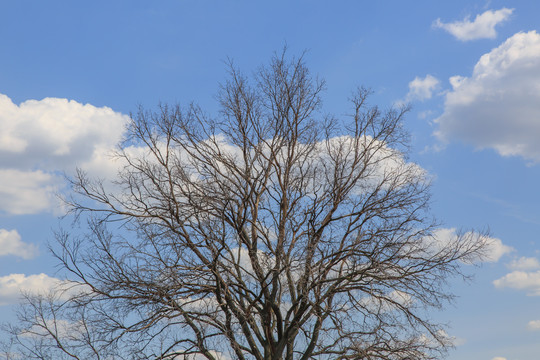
[{"x": 534, "y": 325}]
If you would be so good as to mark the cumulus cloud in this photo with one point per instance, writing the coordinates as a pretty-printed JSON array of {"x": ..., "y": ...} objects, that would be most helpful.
[
  {"x": 11, "y": 244},
  {"x": 524, "y": 263},
  {"x": 56, "y": 128},
  {"x": 482, "y": 27},
  {"x": 534, "y": 325},
  {"x": 422, "y": 88},
  {"x": 12, "y": 285},
  {"x": 41, "y": 138},
  {"x": 520, "y": 280},
  {"x": 498, "y": 107}
]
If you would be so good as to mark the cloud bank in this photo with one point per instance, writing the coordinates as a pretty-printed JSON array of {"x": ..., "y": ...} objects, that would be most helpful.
[
  {"x": 482, "y": 27},
  {"x": 498, "y": 106}
]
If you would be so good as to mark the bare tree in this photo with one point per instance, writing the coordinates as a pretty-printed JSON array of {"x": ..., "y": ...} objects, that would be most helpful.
[{"x": 271, "y": 232}]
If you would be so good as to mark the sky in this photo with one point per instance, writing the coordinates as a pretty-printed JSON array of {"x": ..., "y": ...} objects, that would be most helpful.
[{"x": 71, "y": 72}]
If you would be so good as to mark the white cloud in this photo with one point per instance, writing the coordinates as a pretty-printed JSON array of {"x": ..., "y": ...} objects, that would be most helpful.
[
  {"x": 11, "y": 244},
  {"x": 422, "y": 89},
  {"x": 57, "y": 128},
  {"x": 63, "y": 328},
  {"x": 524, "y": 263},
  {"x": 498, "y": 107},
  {"x": 482, "y": 27},
  {"x": 12, "y": 285},
  {"x": 27, "y": 192},
  {"x": 216, "y": 354},
  {"x": 494, "y": 248},
  {"x": 385, "y": 303},
  {"x": 41, "y": 138},
  {"x": 459, "y": 341},
  {"x": 498, "y": 358},
  {"x": 429, "y": 340},
  {"x": 534, "y": 325},
  {"x": 521, "y": 280}
]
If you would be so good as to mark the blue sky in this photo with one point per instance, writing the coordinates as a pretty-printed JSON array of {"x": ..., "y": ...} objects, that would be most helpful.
[{"x": 71, "y": 72}]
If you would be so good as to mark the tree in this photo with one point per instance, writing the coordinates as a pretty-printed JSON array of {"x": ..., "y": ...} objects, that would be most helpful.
[{"x": 269, "y": 232}]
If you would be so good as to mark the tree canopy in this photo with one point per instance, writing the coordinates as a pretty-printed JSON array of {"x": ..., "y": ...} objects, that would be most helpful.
[{"x": 269, "y": 231}]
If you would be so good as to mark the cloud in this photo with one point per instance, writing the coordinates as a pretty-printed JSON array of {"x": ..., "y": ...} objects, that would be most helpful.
[
  {"x": 483, "y": 26},
  {"x": 498, "y": 358},
  {"x": 27, "y": 192},
  {"x": 41, "y": 138},
  {"x": 493, "y": 251},
  {"x": 534, "y": 325},
  {"x": 441, "y": 335},
  {"x": 520, "y": 280},
  {"x": 56, "y": 128},
  {"x": 498, "y": 107},
  {"x": 63, "y": 328},
  {"x": 422, "y": 89},
  {"x": 12, "y": 285},
  {"x": 11, "y": 244},
  {"x": 496, "y": 249},
  {"x": 216, "y": 354},
  {"x": 385, "y": 303},
  {"x": 524, "y": 263}
]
